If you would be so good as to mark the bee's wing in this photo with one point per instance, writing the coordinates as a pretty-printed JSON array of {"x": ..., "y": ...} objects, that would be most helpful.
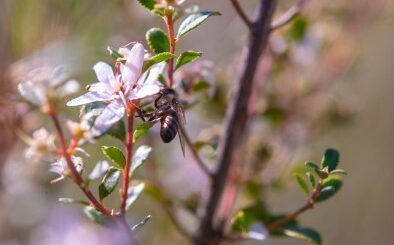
[{"x": 181, "y": 128}]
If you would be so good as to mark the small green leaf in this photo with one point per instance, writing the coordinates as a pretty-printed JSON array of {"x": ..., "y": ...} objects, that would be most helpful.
[
  {"x": 244, "y": 218},
  {"x": 109, "y": 182},
  {"x": 134, "y": 191},
  {"x": 140, "y": 155},
  {"x": 339, "y": 171},
  {"x": 149, "y": 4},
  {"x": 329, "y": 187},
  {"x": 298, "y": 29},
  {"x": 312, "y": 166},
  {"x": 330, "y": 159},
  {"x": 302, "y": 183},
  {"x": 200, "y": 85},
  {"x": 115, "y": 155},
  {"x": 70, "y": 201},
  {"x": 156, "y": 59},
  {"x": 193, "y": 21},
  {"x": 95, "y": 215},
  {"x": 303, "y": 233},
  {"x": 142, "y": 129},
  {"x": 157, "y": 40},
  {"x": 187, "y": 57},
  {"x": 311, "y": 178}
]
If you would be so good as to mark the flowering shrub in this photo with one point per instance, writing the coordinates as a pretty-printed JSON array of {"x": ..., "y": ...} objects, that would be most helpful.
[{"x": 158, "y": 86}]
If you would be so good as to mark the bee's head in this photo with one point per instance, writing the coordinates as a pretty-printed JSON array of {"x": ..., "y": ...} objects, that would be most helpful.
[{"x": 168, "y": 93}]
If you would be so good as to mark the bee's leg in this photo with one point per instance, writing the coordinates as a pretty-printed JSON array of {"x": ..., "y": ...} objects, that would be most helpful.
[
  {"x": 141, "y": 114},
  {"x": 157, "y": 100}
]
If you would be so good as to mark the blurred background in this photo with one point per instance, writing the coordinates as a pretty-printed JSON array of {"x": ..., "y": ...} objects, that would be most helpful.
[{"x": 326, "y": 81}]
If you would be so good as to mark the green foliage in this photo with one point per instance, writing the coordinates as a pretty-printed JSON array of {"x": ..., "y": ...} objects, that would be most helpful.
[
  {"x": 157, "y": 40},
  {"x": 303, "y": 233},
  {"x": 200, "y": 85},
  {"x": 187, "y": 57},
  {"x": 149, "y": 4},
  {"x": 70, "y": 200},
  {"x": 139, "y": 156},
  {"x": 193, "y": 21},
  {"x": 330, "y": 159},
  {"x": 95, "y": 215},
  {"x": 339, "y": 171},
  {"x": 301, "y": 182},
  {"x": 298, "y": 29},
  {"x": 109, "y": 182},
  {"x": 244, "y": 218},
  {"x": 142, "y": 129},
  {"x": 311, "y": 178},
  {"x": 115, "y": 155},
  {"x": 114, "y": 53},
  {"x": 329, "y": 188},
  {"x": 157, "y": 59}
]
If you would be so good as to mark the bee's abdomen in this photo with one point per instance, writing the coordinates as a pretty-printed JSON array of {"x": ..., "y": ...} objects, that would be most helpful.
[{"x": 169, "y": 128}]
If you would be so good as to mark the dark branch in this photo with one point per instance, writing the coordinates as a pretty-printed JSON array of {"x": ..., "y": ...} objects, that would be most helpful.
[
  {"x": 235, "y": 120},
  {"x": 288, "y": 16},
  {"x": 241, "y": 13}
]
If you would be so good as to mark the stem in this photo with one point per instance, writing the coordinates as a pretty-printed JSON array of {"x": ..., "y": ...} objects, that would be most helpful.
[
  {"x": 288, "y": 16},
  {"x": 235, "y": 121},
  {"x": 241, "y": 13},
  {"x": 76, "y": 177},
  {"x": 129, "y": 149},
  {"x": 170, "y": 30},
  {"x": 309, "y": 205}
]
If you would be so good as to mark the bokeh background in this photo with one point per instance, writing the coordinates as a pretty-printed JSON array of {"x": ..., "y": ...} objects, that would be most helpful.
[{"x": 39, "y": 32}]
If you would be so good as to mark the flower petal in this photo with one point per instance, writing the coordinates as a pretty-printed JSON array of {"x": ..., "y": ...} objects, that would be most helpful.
[
  {"x": 147, "y": 90},
  {"x": 110, "y": 115},
  {"x": 151, "y": 76},
  {"x": 131, "y": 70},
  {"x": 88, "y": 98},
  {"x": 104, "y": 73}
]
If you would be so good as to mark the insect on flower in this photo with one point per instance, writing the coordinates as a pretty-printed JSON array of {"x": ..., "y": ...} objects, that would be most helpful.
[{"x": 118, "y": 90}]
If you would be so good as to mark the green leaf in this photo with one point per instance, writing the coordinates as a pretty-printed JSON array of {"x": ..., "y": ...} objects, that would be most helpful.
[
  {"x": 200, "y": 85},
  {"x": 109, "y": 182},
  {"x": 157, "y": 40},
  {"x": 149, "y": 4},
  {"x": 302, "y": 183},
  {"x": 156, "y": 59},
  {"x": 311, "y": 178},
  {"x": 244, "y": 218},
  {"x": 133, "y": 192},
  {"x": 339, "y": 171},
  {"x": 115, "y": 155},
  {"x": 140, "y": 155},
  {"x": 329, "y": 187},
  {"x": 187, "y": 57},
  {"x": 298, "y": 29},
  {"x": 95, "y": 215},
  {"x": 322, "y": 174},
  {"x": 70, "y": 201},
  {"x": 312, "y": 166},
  {"x": 330, "y": 159},
  {"x": 142, "y": 129},
  {"x": 303, "y": 233},
  {"x": 193, "y": 21}
]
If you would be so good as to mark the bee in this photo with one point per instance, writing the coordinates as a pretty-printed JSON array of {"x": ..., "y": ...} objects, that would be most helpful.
[{"x": 170, "y": 113}]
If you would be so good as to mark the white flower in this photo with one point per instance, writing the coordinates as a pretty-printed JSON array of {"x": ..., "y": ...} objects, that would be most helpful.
[
  {"x": 46, "y": 83},
  {"x": 41, "y": 144},
  {"x": 128, "y": 84},
  {"x": 80, "y": 130},
  {"x": 60, "y": 167}
]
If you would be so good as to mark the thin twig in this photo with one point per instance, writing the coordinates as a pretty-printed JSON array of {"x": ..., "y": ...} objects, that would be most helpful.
[
  {"x": 288, "y": 16},
  {"x": 198, "y": 159},
  {"x": 235, "y": 121},
  {"x": 129, "y": 149},
  {"x": 241, "y": 13},
  {"x": 76, "y": 177},
  {"x": 170, "y": 29},
  {"x": 309, "y": 205}
]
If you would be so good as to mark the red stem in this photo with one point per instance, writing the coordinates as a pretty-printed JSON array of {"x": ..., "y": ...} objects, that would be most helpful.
[
  {"x": 129, "y": 149},
  {"x": 170, "y": 29},
  {"x": 76, "y": 177}
]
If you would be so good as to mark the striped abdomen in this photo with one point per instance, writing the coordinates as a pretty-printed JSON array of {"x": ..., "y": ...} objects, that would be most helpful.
[{"x": 169, "y": 127}]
